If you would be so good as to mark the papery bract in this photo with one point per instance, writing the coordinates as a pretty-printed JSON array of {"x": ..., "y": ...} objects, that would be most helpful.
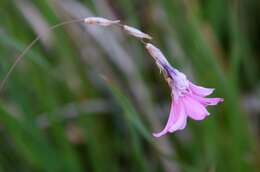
[
  {"x": 135, "y": 32},
  {"x": 100, "y": 21}
]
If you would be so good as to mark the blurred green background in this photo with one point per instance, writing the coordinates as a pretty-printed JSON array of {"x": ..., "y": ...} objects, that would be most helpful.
[{"x": 59, "y": 114}]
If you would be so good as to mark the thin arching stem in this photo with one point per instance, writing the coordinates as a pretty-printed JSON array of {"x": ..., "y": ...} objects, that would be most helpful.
[
  {"x": 25, "y": 51},
  {"x": 20, "y": 56}
]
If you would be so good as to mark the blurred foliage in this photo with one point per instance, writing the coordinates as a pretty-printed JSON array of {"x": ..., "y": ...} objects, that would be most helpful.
[{"x": 58, "y": 113}]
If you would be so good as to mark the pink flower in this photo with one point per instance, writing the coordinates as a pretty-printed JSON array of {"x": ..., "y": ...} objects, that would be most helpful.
[{"x": 188, "y": 99}]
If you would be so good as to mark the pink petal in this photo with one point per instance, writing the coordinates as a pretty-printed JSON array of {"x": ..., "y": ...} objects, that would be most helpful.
[
  {"x": 176, "y": 119},
  {"x": 200, "y": 91},
  {"x": 181, "y": 119},
  {"x": 184, "y": 123},
  {"x": 194, "y": 109},
  {"x": 170, "y": 121},
  {"x": 208, "y": 101}
]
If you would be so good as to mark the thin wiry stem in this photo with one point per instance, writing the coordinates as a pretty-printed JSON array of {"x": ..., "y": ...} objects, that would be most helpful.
[
  {"x": 20, "y": 56},
  {"x": 18, "y": 59}
]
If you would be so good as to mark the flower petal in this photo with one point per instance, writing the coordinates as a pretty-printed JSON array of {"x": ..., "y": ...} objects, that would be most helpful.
[
  {"x": 200, "y": 91},
  {"x": 184, "y": 123},
  {"x": 181, "y": 119},
  {"x": 208, "y": 101},
  {"x": 175, "y": 120},
  {"x": 170, "y": 121},
  {"x": 194, "y": 109}
]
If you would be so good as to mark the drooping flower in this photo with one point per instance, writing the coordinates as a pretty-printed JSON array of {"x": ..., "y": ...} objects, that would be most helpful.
[
  {"x": 100, "y": 21},
  {"x": 188, "y": 99}
]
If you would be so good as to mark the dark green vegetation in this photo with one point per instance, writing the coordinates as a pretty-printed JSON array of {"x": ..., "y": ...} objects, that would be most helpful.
[{"x": 87, "y": 98}]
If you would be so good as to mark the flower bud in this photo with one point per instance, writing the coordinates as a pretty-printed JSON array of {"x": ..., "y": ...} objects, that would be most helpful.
[
  {"x": 100, "y": 21},
  {"x": 157, "y": 55},
  {"x": 136, "y": 33}
]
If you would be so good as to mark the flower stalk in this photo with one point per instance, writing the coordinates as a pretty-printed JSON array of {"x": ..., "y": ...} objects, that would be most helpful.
[{"x": 188, "y": 99}]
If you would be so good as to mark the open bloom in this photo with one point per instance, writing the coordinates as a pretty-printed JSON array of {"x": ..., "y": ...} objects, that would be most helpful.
[{"x": 188, "y": 99}]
